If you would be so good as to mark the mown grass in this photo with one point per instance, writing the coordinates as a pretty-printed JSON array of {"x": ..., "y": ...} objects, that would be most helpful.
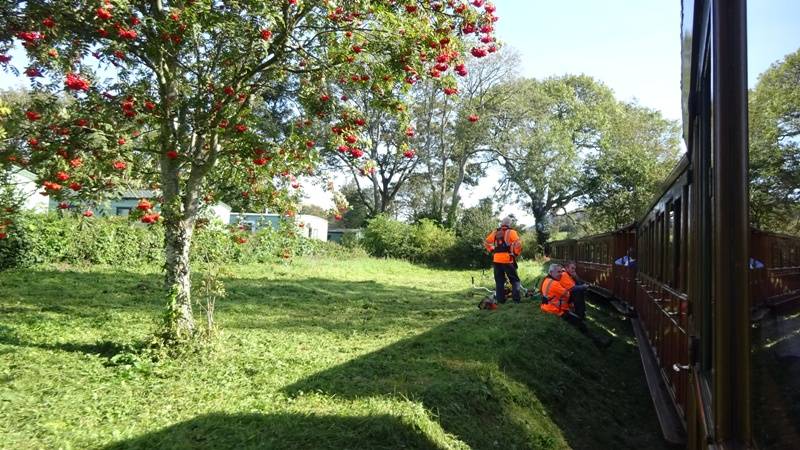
[{"x": 359, "y": 354}]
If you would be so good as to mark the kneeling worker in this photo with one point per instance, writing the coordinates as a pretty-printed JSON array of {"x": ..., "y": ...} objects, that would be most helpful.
[
  {"x": 576, "y": 287},
  {"x": 555, "y": 296},
  {"x": 505, "y": 246},
  {"x": 556, "y": 300}
]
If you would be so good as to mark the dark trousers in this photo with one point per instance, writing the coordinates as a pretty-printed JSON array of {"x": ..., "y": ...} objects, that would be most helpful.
[
  {"x": 501, "y": 271},
  {"x": 578, "y": 299}
]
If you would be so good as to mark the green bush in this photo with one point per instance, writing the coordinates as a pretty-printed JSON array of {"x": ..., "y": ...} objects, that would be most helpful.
[
  {"x": 53, "y": 238},
  {"x": 352, "y": 240},
  {"x": 529, "y": 247},
  {"x": 424, "y": 242},
  {"x": 385, "y": 237},
  {"x": 431, "y": 243},
  {"x": 471, "y": 231}
]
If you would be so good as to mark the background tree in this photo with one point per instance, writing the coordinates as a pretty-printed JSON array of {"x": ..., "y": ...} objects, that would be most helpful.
[
  {"x": 453, "y": 137},
  {"x": 640, "y": 148},
  {"x": 471, "y": 230},
  {"x": 164, "y": 91},
  {"x": 774, "y": 147},
  {"x": 542, "y": 137},
  {"x": 377, "y": 153}
]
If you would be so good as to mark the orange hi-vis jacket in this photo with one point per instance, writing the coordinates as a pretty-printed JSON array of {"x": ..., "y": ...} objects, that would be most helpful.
[
  {"x": 504, "y": 244},
  {"x": 567, "y": 281},
  {"x": 557, "y": 296}
]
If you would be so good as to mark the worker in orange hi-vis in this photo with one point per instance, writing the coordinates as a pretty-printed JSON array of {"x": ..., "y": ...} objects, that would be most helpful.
[
  {"x": 505, "y": 246},
  {"x": 556, "y": 299},
  {"x": 555, "y": 296}
]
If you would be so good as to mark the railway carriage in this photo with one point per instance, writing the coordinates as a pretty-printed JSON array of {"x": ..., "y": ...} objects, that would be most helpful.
[{"x": 717, "y": 304}]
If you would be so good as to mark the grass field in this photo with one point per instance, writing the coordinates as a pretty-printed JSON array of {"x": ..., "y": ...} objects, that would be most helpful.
[{"x": 358, "y": 354}]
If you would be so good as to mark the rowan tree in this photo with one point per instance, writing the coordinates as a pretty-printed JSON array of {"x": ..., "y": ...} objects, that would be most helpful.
[{"x": 162, "y": 93}]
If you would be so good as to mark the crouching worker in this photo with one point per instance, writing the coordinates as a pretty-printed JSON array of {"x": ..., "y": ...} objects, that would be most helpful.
[
  {"x": 505, "y": 246},
  {"x": 555, "y": 296},
  {"x": 556, "y": 300},
  {"x": 576, "y": 287}
]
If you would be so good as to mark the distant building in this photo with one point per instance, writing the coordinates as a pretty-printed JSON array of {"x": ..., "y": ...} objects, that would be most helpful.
[
  {"x": 315, "y": 227},
  {"x": 336, "y": 234},
  {"x": 127, "y": 202},
  {"x": 310, "y": 226}
]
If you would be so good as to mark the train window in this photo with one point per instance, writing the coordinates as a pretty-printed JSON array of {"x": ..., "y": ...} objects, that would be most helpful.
[
  {"x": 684, "y": 238},
  {"x": 676, "y": 244},
  {"x": 653, "y": 253},
  {"x": 776, "y": 255},
  {"x": 660, "y": 247},
  {"x": 669, "y": 244}
]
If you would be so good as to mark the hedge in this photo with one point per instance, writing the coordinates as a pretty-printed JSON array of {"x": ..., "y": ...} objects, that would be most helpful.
[{"x": 53, "y": 238}]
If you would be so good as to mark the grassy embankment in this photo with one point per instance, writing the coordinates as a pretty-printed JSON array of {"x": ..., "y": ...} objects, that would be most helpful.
[{"x": 359, "y": 354}]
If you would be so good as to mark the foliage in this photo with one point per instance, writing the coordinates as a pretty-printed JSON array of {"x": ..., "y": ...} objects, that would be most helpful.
[
  {"x": 471, "y": 230},
  {"x": 386, "y": 145},
  {"x": 425, "y": 241},
  {"x": 56, "y": 238},
  {"x": 775, "y": 148},
  {"x": 323, "y": 353},
  {"x": 388, "y": 238},
  {"x": 211, "y": 289},
  {"x": 359, "y": 212},
  {"x": 431, "y": 243},
  {"x": 199, "y": 99},
  {"x": 542, "y": 137},
  {"x": 640, "y": 149},
  {"x": 454, "y": 142}
]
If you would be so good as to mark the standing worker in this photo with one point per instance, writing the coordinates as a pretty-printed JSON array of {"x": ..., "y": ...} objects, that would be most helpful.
[{"x": 505, "y": 246}]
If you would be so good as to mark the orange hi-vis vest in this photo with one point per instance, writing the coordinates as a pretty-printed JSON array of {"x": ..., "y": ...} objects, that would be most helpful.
[
  {"x": 504, "y": 244},
  {"x": 567, "y": 281},
  {"x": 557, "y": 297}
]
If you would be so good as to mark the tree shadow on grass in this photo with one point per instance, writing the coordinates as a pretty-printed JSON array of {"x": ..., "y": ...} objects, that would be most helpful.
[
  {"x": 104, "y": 348},
  {"x": 283, "y": 431},
  {"x": 514, "y": 378},
  {"x": 337, "y": 306}
]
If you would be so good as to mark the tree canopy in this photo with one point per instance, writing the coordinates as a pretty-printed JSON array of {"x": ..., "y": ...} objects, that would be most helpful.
[
  {"x": 640, "y": 148},
  {"x": 170, "y": 94},
  {"x": 774, "y": 147},
  {"x": 542, "y": 138}
]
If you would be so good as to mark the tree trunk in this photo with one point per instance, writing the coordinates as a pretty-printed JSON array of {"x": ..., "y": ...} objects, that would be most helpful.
[
  {"x": 542, "y": 228},
  {"x": 177, "y": 280},
  {"x": 455, "y": 199}
]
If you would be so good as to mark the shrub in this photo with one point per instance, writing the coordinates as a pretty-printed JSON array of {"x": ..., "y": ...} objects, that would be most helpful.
[
  {"x": 54, "y": 238},
  {"x": 385, "y": 237},
  {"x": 49, "y": 238},
  {"x": 352, "y": 240},
  {"x": 471, "y": 231},
  {"x": 431, "y": 243}
]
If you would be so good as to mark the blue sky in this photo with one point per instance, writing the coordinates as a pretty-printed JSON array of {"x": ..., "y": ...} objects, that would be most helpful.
[{"x": 631, "y": 45}]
